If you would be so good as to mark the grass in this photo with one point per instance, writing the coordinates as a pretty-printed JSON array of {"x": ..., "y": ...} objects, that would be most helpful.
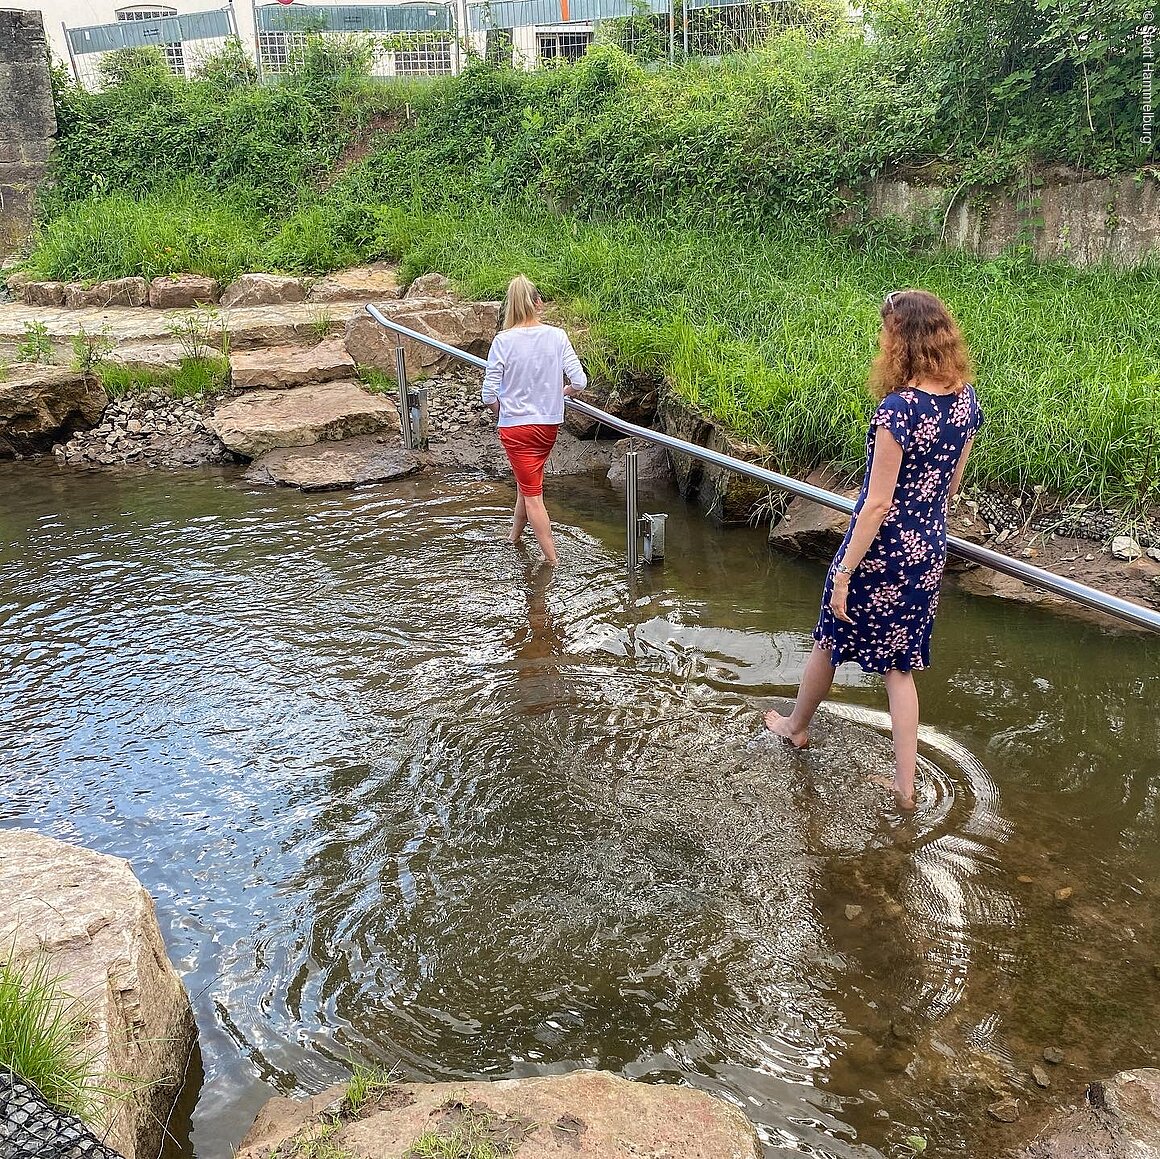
[
  {"x": 471, "y": 1135},
  {"x": 194, "y": 376},
  {"x": 768, "y": 331},
  {"x": 315, "y": 1141},
  {"x": 365, "y": 1082},
  {"x": 41, "y": 1040}
]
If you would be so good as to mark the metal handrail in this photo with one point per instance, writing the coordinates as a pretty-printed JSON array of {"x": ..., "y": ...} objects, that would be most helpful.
[{"x": 1069, "y": 589}]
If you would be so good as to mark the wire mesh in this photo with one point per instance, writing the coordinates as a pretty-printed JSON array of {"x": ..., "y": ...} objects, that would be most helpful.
[
  {"x": 716, "y": 28},
  {"x": 31, "y": 1128}
]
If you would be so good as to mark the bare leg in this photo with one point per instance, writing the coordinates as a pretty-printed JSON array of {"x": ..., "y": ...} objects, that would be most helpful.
[
  {"x": 816, "y": 682},
  {"x": 537, "y": 515},
  {"x": 904, "y": 724},
  {"x": 519, "y": 519}
]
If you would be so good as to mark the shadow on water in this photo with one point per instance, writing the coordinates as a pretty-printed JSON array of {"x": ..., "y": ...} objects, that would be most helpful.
[{"x": 403, "y": 796}]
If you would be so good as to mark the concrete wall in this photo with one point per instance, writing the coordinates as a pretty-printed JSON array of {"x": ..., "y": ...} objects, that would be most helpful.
[
  {"x": 1084, "y": 222},
  {"x": 27, "y": 120}
]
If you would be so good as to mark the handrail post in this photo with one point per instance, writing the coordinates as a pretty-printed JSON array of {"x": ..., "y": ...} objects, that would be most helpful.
[
  {"x": 630, "y": 515},
  {"x": 404, "y": 399}
]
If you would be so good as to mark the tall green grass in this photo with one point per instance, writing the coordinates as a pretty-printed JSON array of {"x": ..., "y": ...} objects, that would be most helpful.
[
  {"x": 41, "y": 1040},
  {"x": 770, "y": 331}
]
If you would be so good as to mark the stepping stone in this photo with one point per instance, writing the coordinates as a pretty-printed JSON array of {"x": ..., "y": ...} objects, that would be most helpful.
[
  {"x": 279, "y": 367},
  {"x": 362, "y": 284},
  {"x": 335, "y": 466},
  {"x": 182, "y": 291},
  {"x": 300, "y": 416}
]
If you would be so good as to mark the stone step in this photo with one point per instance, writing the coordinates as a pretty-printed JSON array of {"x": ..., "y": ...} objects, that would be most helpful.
[
  {"x": 247, "y": 327},
  {"x": 336, "y": 466},
  {"x": 371, "y": 283},
  {"x": 266, "y": 420},
  {"x": 280, "y": 367}
]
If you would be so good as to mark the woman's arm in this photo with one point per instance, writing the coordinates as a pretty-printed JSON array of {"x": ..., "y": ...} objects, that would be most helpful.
[
  {"x": 493, "y": 376},
  {"x": 957, "y": 478},
  {"x": 879, "y": 499},
  {"x": 573, "y": 371}
]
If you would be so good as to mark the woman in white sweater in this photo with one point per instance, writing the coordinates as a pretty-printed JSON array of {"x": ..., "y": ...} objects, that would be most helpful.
[{"x": 524, "y": 386}]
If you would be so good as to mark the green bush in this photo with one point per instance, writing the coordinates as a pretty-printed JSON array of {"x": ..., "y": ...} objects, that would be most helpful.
[
  {"x": 135, "y": 63},
  {"x": 231, "y": 67}
]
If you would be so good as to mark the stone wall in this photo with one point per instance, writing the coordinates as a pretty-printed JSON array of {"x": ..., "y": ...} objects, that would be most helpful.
[
  {"x": 1081, "y": 221},
  {"x": 27, "y": 120}
]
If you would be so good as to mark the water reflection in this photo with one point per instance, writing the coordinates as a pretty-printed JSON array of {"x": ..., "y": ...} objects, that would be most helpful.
[{"x": 403, "y": 796}]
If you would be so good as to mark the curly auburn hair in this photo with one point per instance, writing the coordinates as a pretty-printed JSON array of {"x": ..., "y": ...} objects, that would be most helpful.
[{"x": 919, "y": 340}]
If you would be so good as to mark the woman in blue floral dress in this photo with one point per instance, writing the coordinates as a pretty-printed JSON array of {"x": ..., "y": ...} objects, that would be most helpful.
[{"x": 882, "y": 589}]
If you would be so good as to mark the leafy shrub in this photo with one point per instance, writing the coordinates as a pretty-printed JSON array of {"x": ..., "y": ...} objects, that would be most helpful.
[
  {"x": 231, "y": 67},
  {"x": 133, "y": 63}
]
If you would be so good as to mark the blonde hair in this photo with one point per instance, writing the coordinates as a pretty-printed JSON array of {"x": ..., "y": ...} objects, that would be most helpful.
[{"x": 519, "y": 305}]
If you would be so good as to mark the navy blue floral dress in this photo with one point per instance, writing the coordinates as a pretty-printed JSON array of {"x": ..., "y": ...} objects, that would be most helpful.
[{"x": 894, "y": 590}]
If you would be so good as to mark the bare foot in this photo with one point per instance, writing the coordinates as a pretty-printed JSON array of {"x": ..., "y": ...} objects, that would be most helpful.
[
  {"x": 906, "y": 803},
  {"x": 779, "y": 726},
  {"x": 513, "y": 538}
]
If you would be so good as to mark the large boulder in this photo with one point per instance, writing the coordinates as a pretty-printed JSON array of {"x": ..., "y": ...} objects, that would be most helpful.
[
  {"x": 182, "y": 291},
  {"x": 117, "y": 292},
  {"x": 808, "y": 528},
  {"x": 1119, "y": 1119},
  {"x": 277, "y": 367},
  {"x": 583, "y": 1115},
  {"x": 89, "y": 921},
  {"x": 335, "y": 466},
  {"x": 266, "y": 420},
  {"x": 371, "y": 283},
  {"x": 468, "y": 326},
  {"x": 264, "y": 290},
  {"x": 43, "y": 405}
]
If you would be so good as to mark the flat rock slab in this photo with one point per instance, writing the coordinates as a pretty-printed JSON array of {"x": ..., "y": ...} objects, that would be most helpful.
[
  {"x": 146, "y": 356},
  {"x": 118, "y": 292},
  {"x": 93, "y": 924},
  {"x": 43, "y": 405},
  {"x": 247, "y": 325},
  {"x": 372, "y": 283},
  {"x": 268, "y": 420},
  {"x": 335, "y": 466},
  {"x": 279, "y": 367},
  {"x": 582, "y": 1115},
  {"x": 264, "y": 290}
]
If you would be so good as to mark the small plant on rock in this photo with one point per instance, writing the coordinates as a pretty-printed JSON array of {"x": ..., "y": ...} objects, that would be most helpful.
[
  {"x": 365, "y": 1082},
  {"x": 201, "y": 333},
  {"x": 89, "y": 349},
  {"x": 36, "y": 345},
  {"x": 320, "y": 326}
]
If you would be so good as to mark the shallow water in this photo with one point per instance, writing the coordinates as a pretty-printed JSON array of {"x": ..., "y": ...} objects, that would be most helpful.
[{"x": 403, "y": 798}]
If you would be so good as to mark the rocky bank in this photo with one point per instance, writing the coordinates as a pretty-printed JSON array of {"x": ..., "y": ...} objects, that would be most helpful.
[{"x": 89, "y": 920}]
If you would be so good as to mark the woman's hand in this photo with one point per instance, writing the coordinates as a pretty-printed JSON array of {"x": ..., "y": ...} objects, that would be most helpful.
[{"x": 838, "y": 595}]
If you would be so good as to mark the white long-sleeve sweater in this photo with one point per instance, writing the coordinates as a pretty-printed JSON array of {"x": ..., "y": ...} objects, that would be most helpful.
[{"x": 526, "y": 367}]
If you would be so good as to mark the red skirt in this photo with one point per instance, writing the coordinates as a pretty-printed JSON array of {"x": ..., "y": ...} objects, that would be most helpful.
[{"x": 528, "y": 448}]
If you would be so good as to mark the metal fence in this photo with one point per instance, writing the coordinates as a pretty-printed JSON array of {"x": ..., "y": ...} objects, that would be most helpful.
[
  {"x": 401, "y": 39},
  {"x": 183, "y": 40}
]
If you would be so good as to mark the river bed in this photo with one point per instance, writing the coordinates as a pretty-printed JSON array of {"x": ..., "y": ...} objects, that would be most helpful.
[{"x": 405, "y": 798}]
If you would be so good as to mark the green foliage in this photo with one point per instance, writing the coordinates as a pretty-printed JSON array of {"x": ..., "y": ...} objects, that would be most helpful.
[
  {"x": 89, "y": 349},
  {"x": 772, "y": 333},
  {"x": 195, "y": 376},
  {"x": 231, "y": 67},
  {"x": 185, "y": 229},
  {"x": 41, "y": 1040},
  {"x": 136, "y": 63},
  {"x": 36, "y": 345}
]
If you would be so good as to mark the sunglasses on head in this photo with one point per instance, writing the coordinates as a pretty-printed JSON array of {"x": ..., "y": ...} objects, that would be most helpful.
[{"x": 891, "y": 296}]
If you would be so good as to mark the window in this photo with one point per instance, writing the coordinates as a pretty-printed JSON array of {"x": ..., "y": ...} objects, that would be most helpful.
[
  {"x": 174, "y": 52},
  {"x": 424, "y": 58},
  {"x": 562, "y": 46},
  {"x": 279, "y": 50}
]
